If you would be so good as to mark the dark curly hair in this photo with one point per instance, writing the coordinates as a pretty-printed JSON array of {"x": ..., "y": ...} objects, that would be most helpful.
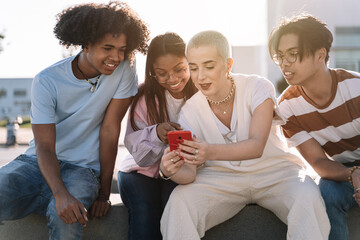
[
  {"x": 154, "y": 93},
  {"x": 311, "y": 31},
  {"x": 85, "y": 24}
]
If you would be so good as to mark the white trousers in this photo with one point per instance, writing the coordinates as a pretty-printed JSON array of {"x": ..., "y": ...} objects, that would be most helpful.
[{"x": 217, "y": 196}]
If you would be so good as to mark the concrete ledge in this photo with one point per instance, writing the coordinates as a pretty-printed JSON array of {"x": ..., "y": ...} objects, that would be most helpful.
[{"x": 252, "y": 223}]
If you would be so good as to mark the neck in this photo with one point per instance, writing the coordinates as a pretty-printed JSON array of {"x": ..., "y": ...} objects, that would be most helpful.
[
  {"x": 226, "y": 94},
  {"x": 319, "y": 87},
  {"x": 83, "y": 70}
]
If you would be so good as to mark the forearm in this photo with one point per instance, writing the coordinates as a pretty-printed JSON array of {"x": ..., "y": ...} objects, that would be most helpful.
[
  {"x": 108, "y": 152},
  {"x": 185, "y": 175},
  {"x": 50, "y": 169},
  {"x": 331, "y": 170},
  {"x": 145, "y": 146},
  {"x": 244, "y": 150}
]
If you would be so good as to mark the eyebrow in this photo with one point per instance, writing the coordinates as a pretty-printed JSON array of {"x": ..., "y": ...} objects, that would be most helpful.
[{"x": 112, "y": 46}]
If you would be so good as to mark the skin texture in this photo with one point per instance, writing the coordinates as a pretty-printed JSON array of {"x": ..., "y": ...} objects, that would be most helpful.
[
  {"x": 176, "y": 70},
  {"x": 314, "y": 77}
]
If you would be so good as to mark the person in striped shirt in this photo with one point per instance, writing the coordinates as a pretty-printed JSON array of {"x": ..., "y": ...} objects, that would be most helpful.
[{"x": 322, "y": 112}]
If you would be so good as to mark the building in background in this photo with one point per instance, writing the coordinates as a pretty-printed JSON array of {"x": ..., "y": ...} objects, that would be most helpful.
[
  {"x": 15, "y": 97},
  {"x": 342, "y": 18}
]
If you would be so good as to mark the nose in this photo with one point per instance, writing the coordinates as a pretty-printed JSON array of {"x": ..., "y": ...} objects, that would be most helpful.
[
  {"x": 284, "y": 63},
  {"x": 201, "y": 74},
  {"x": 117, "y": 56}
]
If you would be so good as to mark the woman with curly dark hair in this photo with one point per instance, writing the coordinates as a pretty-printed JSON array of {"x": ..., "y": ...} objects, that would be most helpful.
[
  {"x": 77, "y": 107},
  {"x": 153, "y": 114}
]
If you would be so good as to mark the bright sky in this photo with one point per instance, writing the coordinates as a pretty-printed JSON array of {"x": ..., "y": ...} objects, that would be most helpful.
[{"x": 30, "y": 46}]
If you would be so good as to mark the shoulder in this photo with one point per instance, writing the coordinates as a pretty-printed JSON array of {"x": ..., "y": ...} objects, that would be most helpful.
[
  {"x": 251, "y": 80},
  {"x": 58, "y": 69},
  {"x": 123, "y": 69},
  {"x": 342, "y": 74},
  {"x": 289, "y": 93}
]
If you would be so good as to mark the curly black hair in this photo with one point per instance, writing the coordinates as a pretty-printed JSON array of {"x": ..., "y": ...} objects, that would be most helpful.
[{"x": 85, "y": 24}]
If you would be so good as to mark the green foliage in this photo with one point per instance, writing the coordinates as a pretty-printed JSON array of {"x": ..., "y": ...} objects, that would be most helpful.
[{"x": 25, "y": 124}]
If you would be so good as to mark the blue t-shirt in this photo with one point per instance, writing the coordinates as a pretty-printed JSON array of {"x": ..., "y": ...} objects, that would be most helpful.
[{"x": 57, "y": 96}]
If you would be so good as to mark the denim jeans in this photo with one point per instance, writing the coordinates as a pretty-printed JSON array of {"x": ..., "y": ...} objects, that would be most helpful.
[
  {"x": 23, "y": 191},
  {"x": 338, "y": 200},
  {"x": 145, "y": 199}
]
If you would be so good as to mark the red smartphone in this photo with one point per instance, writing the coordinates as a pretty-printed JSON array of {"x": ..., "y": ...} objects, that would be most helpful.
[{"x": 175, "y": 138}]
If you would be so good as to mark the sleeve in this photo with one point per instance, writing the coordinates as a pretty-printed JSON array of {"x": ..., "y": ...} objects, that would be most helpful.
[
  {"x": 43, "y": 101},
  {"x": 292, "y": 129},
  {"x": 128, "y": 83},
  {"x": 144, "y": 144},
  {"x": 263, "y": 90}
]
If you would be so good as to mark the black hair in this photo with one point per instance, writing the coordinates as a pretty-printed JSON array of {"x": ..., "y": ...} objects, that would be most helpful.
[
  {"x": 154, "y": 93},
  {"x": 311, "y": 31},
  {"x": 85, "y": 24}
]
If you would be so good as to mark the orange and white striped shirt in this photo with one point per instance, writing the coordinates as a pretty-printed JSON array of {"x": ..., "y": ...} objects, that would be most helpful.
[{"x": 336, "y": 126}]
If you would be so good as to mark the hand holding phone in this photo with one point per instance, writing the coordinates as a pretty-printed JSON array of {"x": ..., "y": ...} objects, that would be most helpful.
[{"x": 176, "y": 137}]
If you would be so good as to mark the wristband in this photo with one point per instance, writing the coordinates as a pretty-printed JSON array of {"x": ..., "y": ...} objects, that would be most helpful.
[{"x": 162, "y": 175}]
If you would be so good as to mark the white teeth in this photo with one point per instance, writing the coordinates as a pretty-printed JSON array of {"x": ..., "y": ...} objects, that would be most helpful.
[
  {"x": 175, "y": 85},
  {"x": 110, "y": 65},
  {"x": 287, "y": 73}
]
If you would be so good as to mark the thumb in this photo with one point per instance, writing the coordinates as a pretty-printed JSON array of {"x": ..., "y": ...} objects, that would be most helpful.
[{"x": 194, "y": 137}]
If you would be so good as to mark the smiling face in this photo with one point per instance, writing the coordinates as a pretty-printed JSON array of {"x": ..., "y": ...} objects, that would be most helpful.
[
  {"x": 104, "y": 56},
  {"x": 209, "y": 71},
  {"x": 172, "y": 73},
  {"x": 298, "y": 73}
]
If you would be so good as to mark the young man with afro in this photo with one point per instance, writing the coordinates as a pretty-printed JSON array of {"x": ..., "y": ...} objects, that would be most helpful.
[{"x": 77, "y": 105}]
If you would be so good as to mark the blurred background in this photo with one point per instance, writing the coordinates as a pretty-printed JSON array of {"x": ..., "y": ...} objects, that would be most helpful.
[{"x": 28, "y": 45}]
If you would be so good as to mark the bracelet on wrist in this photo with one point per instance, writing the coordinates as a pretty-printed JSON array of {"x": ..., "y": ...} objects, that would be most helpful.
[
  {"x": 162, "y": 175},
  {"x": 350, "y": 174}
]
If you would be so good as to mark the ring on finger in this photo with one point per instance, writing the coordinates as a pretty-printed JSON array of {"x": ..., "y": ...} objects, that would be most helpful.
[
  {"x": 172, "y": 160},
  {"x": 196, "y": 151},
  {"x": 195, "y": 159}
]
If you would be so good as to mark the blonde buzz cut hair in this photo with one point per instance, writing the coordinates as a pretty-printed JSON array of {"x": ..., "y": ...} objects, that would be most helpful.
[{"x": 211, "y": 38}]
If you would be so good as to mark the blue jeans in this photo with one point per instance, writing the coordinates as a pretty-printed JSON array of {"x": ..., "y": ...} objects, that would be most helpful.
[
  {"x": 338, "y": 200},
  {"x": 145, "y": 199},
  {"x": 23, "y": 191}
]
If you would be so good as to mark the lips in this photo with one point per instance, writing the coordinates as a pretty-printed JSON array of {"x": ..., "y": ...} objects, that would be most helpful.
[
  {"x": 205, "y": 86},
  {"x": 288, "y": 75}
]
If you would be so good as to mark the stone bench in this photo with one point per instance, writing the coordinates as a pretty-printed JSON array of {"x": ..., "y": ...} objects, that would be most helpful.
[{"x": 252, "y": 223}]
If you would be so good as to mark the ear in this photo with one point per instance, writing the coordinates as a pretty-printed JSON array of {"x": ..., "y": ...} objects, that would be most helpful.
[
  {"x": 85, "y": 48},
  {"x": 321, "y": 54},
  {"x": 229, "y": 64}
]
